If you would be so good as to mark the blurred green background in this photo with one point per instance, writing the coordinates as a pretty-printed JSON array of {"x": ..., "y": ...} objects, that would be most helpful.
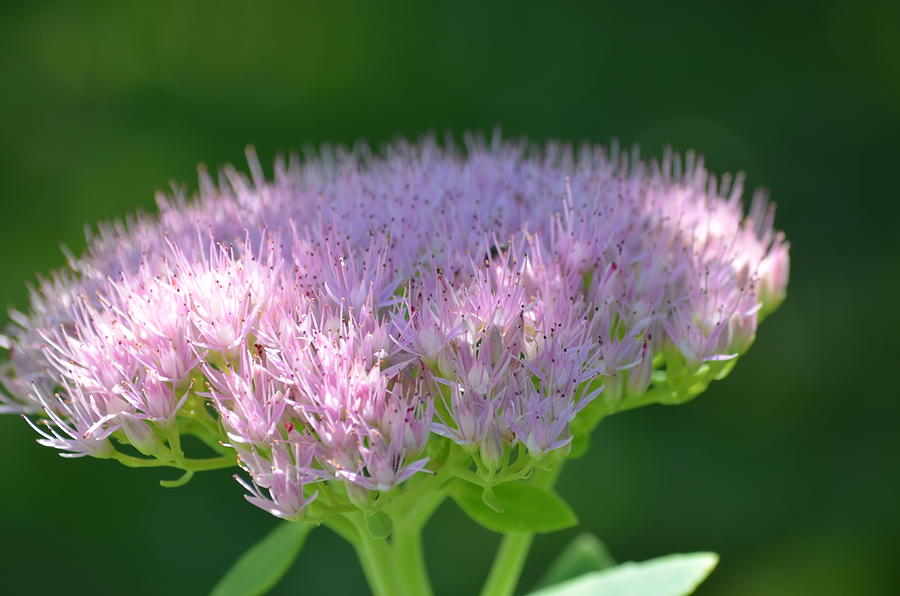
[{"x": 788, "y": 468}]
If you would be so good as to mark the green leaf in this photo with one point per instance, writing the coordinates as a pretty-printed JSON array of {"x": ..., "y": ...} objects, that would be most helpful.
[
  {"x": 260, "y": 568},
  {"x": 674, "y": 575},
  {"x": 379, "y": 524},
  {"x": 580, "y": 443},
  {"x": 525, "y": 508},
  {"x": 583, "y": 555}
]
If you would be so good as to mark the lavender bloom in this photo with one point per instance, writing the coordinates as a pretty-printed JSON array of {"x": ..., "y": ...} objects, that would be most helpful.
[{"x": 327, "y": 326}]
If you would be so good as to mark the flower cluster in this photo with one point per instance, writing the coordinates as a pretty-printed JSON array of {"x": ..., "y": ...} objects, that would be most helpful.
[{"x": 330, "y": 326}]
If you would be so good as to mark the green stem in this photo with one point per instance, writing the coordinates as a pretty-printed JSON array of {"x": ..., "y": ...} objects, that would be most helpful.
[
  {"x": 212, "y": 463},
  {"x": 510, "y": 558},
  {"x": 508, "y": 564},
  {"x": 395, "y": 566},
  {"x": 190, "y": 465},
  {"x": 373, "y": 576},
  {"x": 344, "y": 528},
  {"x": 409, "y": 563},
  {"x": 376, "y": 558}
]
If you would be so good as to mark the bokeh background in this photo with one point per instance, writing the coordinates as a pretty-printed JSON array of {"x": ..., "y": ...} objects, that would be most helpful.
[{"x": 788, "y": 468}]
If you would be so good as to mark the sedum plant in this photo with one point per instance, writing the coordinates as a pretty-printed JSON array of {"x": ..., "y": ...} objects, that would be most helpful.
[{"x": 369, "y": 334}]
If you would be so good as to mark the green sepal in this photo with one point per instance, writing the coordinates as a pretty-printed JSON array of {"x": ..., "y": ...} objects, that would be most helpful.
[{"x": 490, "y": 499}]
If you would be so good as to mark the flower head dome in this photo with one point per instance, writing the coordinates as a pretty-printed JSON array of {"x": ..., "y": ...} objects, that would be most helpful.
[{"x": 339, "y": 324}]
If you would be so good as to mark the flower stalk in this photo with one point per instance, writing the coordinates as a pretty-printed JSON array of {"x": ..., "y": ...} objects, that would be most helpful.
[{"x": 514, "y": 547}]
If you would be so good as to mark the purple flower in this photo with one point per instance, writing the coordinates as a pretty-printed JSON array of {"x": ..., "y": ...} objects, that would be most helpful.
[{"x": 326, "y": 326}]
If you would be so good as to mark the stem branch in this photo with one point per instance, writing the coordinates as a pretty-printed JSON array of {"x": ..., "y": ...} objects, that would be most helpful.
[{"x": 189, "y": 465}]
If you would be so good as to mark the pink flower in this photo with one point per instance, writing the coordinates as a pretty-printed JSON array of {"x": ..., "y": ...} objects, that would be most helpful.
[{"x": 329, "y": 324}]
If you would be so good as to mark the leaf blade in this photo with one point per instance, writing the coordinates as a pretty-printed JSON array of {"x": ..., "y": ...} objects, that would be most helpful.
[
  {"x": 265, "y": 563},
  {"x": 672, "y": 575},
  {"x": 525, "y": 508},
  {"x": 585, "y": 554}
]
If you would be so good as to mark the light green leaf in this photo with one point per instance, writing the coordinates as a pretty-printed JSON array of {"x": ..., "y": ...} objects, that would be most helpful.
[
  {"x": 581, "y": 441},
  {"x": 674, "y": 575},
  {"x": 523, "y": 508},
  {"x": 583, "y": 555},
  {"x": 260, "y": 568},
  {"x": 379, "y": 524}
]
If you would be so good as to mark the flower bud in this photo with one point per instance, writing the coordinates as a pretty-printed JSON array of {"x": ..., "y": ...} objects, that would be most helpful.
[
  {"x": 639, "y": 376},
  {"x": 492, "y": 451},
  {"x": 139, "y": 434}
]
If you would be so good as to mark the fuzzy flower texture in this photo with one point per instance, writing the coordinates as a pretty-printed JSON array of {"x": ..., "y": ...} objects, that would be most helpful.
[{"x": 365, "y": 317}]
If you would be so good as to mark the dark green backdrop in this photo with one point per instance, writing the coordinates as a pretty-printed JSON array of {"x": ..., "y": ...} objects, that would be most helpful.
[{"x": 788, "y": 468}]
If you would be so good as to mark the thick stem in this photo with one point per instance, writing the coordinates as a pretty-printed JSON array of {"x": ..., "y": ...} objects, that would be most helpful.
[
  {"x": 376, "y": 558},
  {"x": 374, "y": 574},
  {"x": 409, "y": 563},
  {"x": 510, "y": 558},
  {"x": 407, "y": 538},
  {"x": 344, "y": 528},
  {"x": 508, "y": 564},
  {"x": 394, "y": 566}
]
